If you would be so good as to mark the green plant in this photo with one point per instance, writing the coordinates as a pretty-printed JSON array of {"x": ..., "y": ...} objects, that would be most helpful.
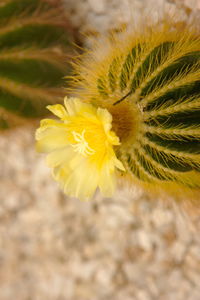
[
  {"x": 150, "y": 83},
  {"x": 34, "y": 42}
]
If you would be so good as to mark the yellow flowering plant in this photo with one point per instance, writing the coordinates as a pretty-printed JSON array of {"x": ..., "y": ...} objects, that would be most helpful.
[
  {"x": 80, "y": 147},
  {"x": 137, "y": 111}
]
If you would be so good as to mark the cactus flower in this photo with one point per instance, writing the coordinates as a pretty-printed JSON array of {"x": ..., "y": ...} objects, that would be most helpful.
[
  {"x": 80, "y": 147},
  {"x": 144, "y": 85}
]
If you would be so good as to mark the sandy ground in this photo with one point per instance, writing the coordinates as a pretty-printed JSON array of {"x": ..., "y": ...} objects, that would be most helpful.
[
  {"x": 52, "y": 247},
  {"x": 56, "y": 248}
]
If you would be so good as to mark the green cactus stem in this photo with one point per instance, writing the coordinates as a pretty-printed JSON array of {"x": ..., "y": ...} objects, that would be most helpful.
[
  {"x": 150, "y": 83},
  {"x": 34, "y": 52}
]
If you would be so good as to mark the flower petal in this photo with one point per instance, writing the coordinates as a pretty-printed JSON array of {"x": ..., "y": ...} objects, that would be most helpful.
[
  {"x": 107, "y": 182},
  {"x": 72, "y": 105},
  {"x": 76, "y": 107},
  {"x": 77, "y": 184},
  {"x": 105, "y": 117},
  {"x": 58, "y": 110},
  {"x": 50, "y": 139},
  {"x": 45, "y": 124},
  {"x": 61, "y": 174},
  {"x": 59, "y": 156},
  {"x": 119, "y": 165}
]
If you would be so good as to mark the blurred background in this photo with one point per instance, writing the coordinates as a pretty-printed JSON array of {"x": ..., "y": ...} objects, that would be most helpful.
[{"x": 126, "y": 248}]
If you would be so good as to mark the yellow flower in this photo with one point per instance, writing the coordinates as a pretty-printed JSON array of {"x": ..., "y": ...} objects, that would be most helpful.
[{"x": 80, "y": 148}]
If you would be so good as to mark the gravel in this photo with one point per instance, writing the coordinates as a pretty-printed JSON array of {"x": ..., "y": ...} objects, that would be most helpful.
[{"x": 53, "y": 247}]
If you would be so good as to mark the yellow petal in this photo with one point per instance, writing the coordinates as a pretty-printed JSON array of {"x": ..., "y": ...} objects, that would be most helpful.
[
  {"x": 82, "y": 184},
  {"x": 58, "y": 110},
  {"x": 75, "y": 107},
  {"x": 119, "y": 164},
  {"x": 113, "y": 139},
  {"x": 51, "y": 139},
  {"x": 59, "y": 156},
  {"x": 72, "y": 105},
  {"x": 46, "y": 124},
  {"x": 105, "y": 117},
  {"x": 107, "y": 182},
  {"x": 61, "y": 174}
]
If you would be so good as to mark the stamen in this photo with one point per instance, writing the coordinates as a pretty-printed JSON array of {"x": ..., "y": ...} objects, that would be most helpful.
[{"x": 82, "y": 145}]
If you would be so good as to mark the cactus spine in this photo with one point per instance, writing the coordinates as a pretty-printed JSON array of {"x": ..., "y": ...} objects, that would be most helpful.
[
  {"x": 34, "y": 41},
  {"x": 150, "y": 83}
]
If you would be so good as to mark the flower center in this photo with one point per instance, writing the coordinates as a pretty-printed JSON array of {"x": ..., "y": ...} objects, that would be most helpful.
[
  {"x": 81, "y": 145},
  {"x": 126, "y": 120}
]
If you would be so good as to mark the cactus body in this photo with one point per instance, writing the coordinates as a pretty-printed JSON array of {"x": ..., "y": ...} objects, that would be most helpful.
[
  {"x": 150, "y": 83},
  {"x": 34, "y": 41}
]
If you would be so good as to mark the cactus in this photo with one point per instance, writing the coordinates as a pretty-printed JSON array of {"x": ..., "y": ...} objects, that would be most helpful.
[
  {"x": 34, "y": 41},
  {"x": 150, "y": 83}
]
